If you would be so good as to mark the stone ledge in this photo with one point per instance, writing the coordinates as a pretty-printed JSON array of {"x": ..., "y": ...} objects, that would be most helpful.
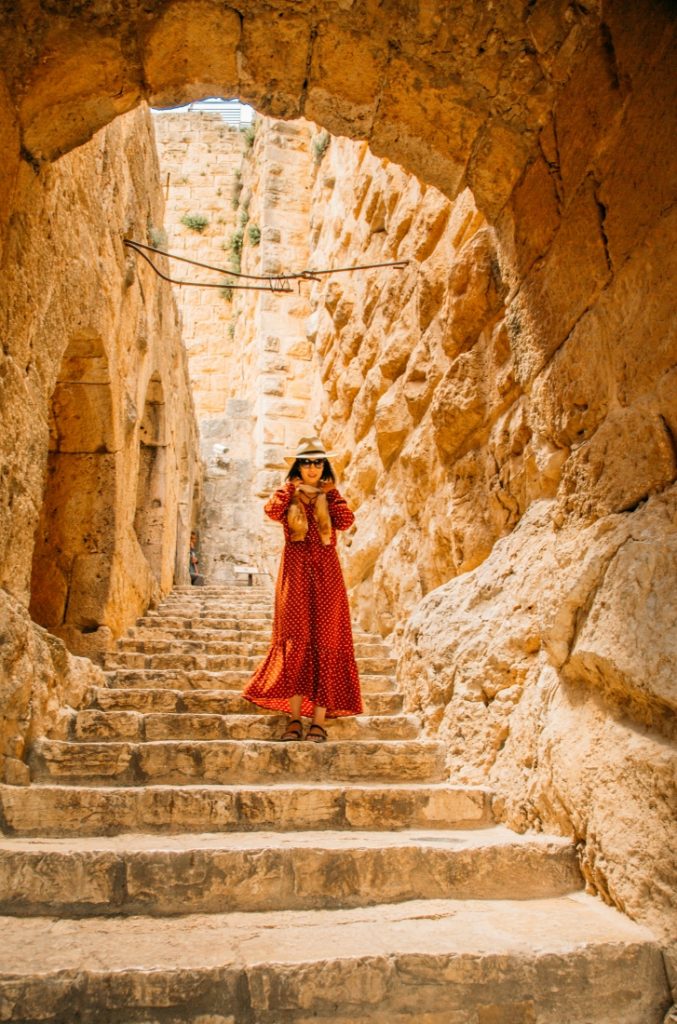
[{"x": 432, "y": 961}]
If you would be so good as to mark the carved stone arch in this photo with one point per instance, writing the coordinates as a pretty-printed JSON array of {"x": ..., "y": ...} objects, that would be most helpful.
[
  {"x": 457, "y": 95},
  {"x": 150, "y": 514},
  {"x": 75, "y": 538}
]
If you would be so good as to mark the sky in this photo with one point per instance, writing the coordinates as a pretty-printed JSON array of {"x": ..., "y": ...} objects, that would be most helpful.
[{"x": 228, "y": 108}]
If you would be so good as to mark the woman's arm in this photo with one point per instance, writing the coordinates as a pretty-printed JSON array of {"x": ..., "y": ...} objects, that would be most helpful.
[
  {"x": 341, "y": 516},
  {"x": 277, "y": 505}
]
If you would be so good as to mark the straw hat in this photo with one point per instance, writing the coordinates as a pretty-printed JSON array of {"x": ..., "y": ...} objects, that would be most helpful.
[{"x": 307, "y": 448}]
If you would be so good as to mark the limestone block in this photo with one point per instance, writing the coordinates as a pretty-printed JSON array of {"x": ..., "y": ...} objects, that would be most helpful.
[
  {"x": 572, "y": 395},
  {"x": 336, "y": 54},
  {"x": 38, "y": 677},
  {"x": 628, "y": 458},
  {"x": 529, "y": 223},
  {"x": 57, "y": 109},
  {"x": 17, "y": 773},
  {"x": 499, "y": 155},
  {"x": 628, "y": 643},
  {"x": 359, "y": 479},
  {"x": 459, "y": 405},
  {"x": 453, "y": 126},
  {"x": 392, "y": 423},
  {"x": 191, "y": 46},
  {"x": 481, "y": 659},
  {"x": 474, "y": 285},
  {"x": 423, "y": 374},
  {"x": 364, "y": 406},
  {"x": 559, "y": 289}
]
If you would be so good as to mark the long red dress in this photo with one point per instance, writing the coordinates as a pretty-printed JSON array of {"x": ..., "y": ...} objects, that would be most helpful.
[{"x": 312, "y": 645}]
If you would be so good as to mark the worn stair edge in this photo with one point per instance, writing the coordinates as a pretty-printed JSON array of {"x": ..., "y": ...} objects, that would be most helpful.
[
  {"x": 100, "y": 726},
  {"x": 85, "y": 810},
  {"x": 184, "y": 679},
  {"x": 222, "y": 662},
  {"x": 209, "y": 701},
  {"x": 217, "y": 873},
  {"x": 244, "y": 761},
  {"x": 434, "y": 961}
]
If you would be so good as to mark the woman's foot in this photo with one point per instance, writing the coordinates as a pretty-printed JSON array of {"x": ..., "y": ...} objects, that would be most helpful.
[
  {"x": 294, "y": 731},
  {"x": 317, "y": 733}
]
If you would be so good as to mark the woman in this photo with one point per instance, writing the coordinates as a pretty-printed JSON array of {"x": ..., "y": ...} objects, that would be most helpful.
[{"x": 310, "y": 668}]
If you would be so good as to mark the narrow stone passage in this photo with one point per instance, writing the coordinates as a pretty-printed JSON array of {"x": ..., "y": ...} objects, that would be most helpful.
[{"x": 201, "y": 872}]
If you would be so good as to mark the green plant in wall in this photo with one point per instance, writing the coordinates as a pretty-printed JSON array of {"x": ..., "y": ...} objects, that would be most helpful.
[
  {"x": 249, "y": 134},
  {"x": 195, "y": 221},
  {"x": 157, "y": 237},
  {"x": 236, "y": 189},
  {"x": 320, "y": 145},
  {"x": 231, "y": 327},
  {"x": 243, "y": 216},
  {"x": 254, "y": 234},
  {"x": 236, "y": 242}
]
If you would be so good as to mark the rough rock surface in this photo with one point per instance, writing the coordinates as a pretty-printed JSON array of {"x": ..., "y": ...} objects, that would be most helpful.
[
  {"x": 98, "y": 437},
  {"x": 536, "y": 364},
  {"x": 340, "y": 868},
  {"x": 549, "y": 670}
]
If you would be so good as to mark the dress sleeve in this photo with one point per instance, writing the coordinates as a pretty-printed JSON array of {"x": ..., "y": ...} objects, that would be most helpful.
[
  {"x": 341, "y": 516},
  {"x": 277, "y": 505}
]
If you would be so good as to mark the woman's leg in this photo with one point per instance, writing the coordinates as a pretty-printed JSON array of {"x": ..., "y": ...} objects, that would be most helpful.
[
  {"x": 317, "y": 733},
  {"x": 294, "y": 729},
  {"x": 319, "y": 715}
]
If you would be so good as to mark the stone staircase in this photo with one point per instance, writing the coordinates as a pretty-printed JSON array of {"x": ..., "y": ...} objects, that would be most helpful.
[{"x": 170, "y": 863}]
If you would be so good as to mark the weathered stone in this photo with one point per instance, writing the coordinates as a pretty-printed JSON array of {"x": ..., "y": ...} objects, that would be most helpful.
[
  {"x": 88, "y": 810},
  {"x": 603, "y": 690},
  {"x": 194, "y": 874},
  {"x": 387, "y": 962},
  {"x": 556, "y": 115}
]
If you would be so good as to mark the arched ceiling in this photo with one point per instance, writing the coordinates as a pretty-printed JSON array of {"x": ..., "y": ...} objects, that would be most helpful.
[{"x": 455, "y": 92}]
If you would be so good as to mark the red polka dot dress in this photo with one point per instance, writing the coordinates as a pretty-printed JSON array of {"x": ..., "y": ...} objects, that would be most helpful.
[{"x": 312, "y": 645}]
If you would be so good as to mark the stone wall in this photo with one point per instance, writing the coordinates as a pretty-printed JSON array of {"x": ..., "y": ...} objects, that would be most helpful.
[
  {"x": 507, "y": 410},
  {"x": 553, "y": 423},
  {"x": 251, "y": 364},
  {"x": 99, "y": 448},
  {"x": 200, "y": 156}
]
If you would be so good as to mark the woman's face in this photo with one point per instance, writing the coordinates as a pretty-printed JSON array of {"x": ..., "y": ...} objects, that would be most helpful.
[{"x": 311, "y": 474}]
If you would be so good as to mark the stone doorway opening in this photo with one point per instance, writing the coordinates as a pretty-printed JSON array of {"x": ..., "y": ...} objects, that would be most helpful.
[{"x": 74, "y": 541}]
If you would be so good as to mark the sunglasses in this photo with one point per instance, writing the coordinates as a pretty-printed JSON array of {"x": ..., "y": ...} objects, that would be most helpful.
[{"x": 311, "y": 462}]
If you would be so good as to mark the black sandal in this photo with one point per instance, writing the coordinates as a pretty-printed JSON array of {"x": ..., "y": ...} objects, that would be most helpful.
[
  {"x": 292, "y": 733},
  {"x": 317, "y": 737}
]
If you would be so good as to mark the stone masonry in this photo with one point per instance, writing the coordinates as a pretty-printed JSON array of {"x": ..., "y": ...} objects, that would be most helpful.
[{"x": 171, "y": 863}]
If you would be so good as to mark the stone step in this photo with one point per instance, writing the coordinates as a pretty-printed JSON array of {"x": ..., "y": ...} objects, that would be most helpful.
[
  {"x": 236, "y": 761},
  {"x": 218, "y": 873},
  {"x": 261, "y": 606},
  {"x": 564, "y": 960},
  {"x": 183, "y": 679},
  {"x": 222, "y": 662},
  {"x": 226, "y": 628},
  {"x": 158, "y": 631},
  {"x": 92, "y": 724},
  {"x": 237, "y": 622},
  {"x": 217, "y": 644},
  {"x": 85, "y": 810},
  {"x": 226, "y": 702}
]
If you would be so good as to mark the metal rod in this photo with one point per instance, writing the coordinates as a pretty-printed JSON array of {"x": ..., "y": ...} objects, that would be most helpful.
[
  {"x": 274, "y": 283},
  {"x": 208, "y": 284}
]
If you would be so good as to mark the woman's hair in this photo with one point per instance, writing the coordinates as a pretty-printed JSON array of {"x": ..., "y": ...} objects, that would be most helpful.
[{"x": 327, "y": 472}]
